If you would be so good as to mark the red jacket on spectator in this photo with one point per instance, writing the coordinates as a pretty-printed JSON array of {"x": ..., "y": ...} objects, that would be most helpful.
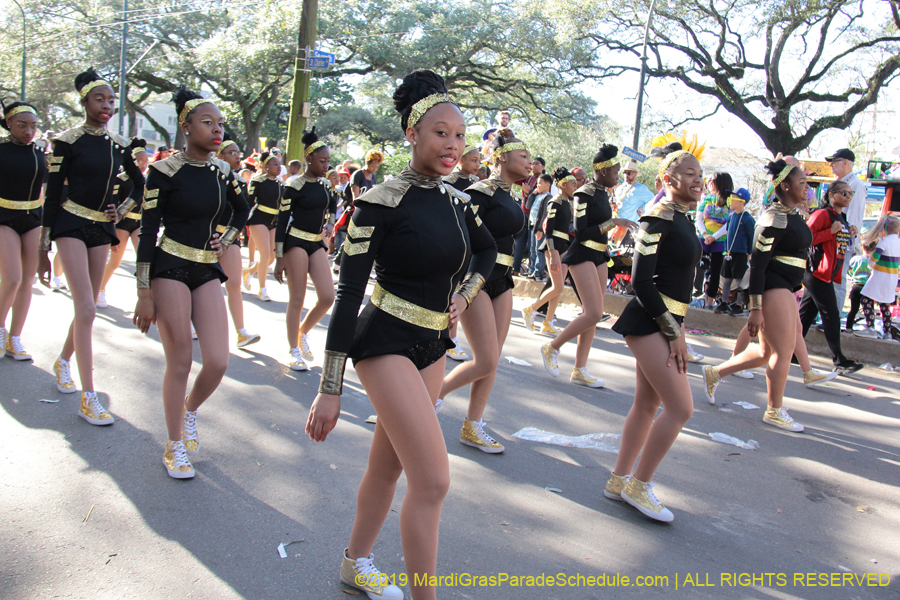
[{"x": 830, "y": 255}]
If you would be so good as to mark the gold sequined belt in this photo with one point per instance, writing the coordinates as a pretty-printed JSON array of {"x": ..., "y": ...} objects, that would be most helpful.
[
  {"x": 266, "y": 209},
  {"x": 305, "y": 235},
  {"x": 409, "y": 312},
  {"x": 135, "y": 216},
  {"x": 84, "y": 212},
  {"x": 220, "y": 229},
  {"x": 594, "y": 245},
  {"x": 505, "y": 259},
  {"x": 187, "y": 252},
  {"x": 792, "y": 261},
  {"x": 561, "y": 235},
  {"x": 675, "y": 307},
  {"x": 20, "y": 204}
]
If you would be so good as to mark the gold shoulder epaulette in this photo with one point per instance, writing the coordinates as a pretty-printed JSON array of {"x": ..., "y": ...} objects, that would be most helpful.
[{"x": 389, "y": 193}]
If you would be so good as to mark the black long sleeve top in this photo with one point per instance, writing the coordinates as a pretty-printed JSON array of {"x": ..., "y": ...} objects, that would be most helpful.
[
  {"x": 593, "y": 214},
  {"x": 420, "y": 234},
  {"x": 187, "y": 197},
  {"x": 227, "y": 212},
  {"x": 780, "y": 249},
  {"x": 503, "y": 217},
  {"x": 267, "y": 192},
  {"x": 559, "y": 221},
  {"x": 84, "y": 167},
  {"x": 308, "y": 204},
  {"x": 460, "y": 180},
  {"x": 23, "y": 170}
]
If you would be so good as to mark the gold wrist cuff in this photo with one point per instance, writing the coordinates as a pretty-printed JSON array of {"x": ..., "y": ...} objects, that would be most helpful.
[
  {"x": 470, "y": 287},
  {"x": 229, "y": 236},
  {"x": 45, "y": 239},
  {"x": 607, "y": 226},
  {"x": 755, "y": 301},
  {"x": 668, "y": 326},
  {"x": 123, "y": 209},
  {"x": 143, "y": 275},
  {"x": 279, "y": 249},
  {"x": 332, "y": 373}
]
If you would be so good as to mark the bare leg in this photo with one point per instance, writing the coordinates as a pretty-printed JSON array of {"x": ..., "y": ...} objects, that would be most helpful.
[
  {"x": 57, "y": 264},
  {"x": 583, "y": 346},
  {"x": 231, "y": 264},
  {"x": 781, "y": 318},
  {"x": 480, "y": 390},
  {"x": 655, "y": 383},
  {"x": 800, "y": 350},
  {"x": 743, "y": 340},
  {"x": 173, "y": 319},
  {"x": 591, "y": 282},
  {"x": 115, "y": 257},
  {"x": 211, "y": 321},
  {"x": 260, "y": 235},
  {"x": 320, "y": 273},
  {"x": 551, "y": 295},
  {"x": 251, "y": 248},
  {"x": 84, "y": 269},
  {"x": 296, "y": 266},
  {"x": 11, "y": 270},
  {"x": 22, "y": 301},
  {"x": 481, "y": 331},
  {"x": 407, "y": 438}
]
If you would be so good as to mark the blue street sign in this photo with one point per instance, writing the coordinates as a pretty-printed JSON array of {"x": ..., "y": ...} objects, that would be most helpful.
[
  {"x": 320, "y": 54},
  {"x": 317, "y": 62},
  {"x": 634, "y": 154}
]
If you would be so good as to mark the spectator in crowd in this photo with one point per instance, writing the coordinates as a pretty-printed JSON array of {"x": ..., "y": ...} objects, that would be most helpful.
[
  {"x": 738, "y": 245},
  {"x": 293, "y": 171},
  {"x": 842, "y": 167},
  {"x": 631, "y": 196},
  {"x": 712, "y": 212},
  {"x": 364, "y": 179},
  {"x": 503, "y": 118},
  {"x": 537, "y": 261},
  {"x": 343, "y": 178},
  {"x": 581, "y": 177}
]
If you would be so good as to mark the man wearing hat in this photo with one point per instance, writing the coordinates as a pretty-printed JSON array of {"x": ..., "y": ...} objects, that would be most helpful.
[
  {"x": 631, "y": 196},
  {"x": 842, "y": 167}
]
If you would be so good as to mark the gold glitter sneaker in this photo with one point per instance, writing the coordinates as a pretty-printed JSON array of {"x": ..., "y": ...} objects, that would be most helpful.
[
  {"x": 64, "y": 382},
  {"x": 549, "y": 356},
  {"x": 296, "y": 363},
  {"x": 548, "y": 328},
  {"x": 472, "y": 434},
  {"x": 615, "y": 485},
  {"x": 693, "y": 355},
  {"x": 263, "y": 295},
  {"x": 528, "y": 317},
  {"x": 176, "y": 461},
  {"x": 457, "y": 353},
  {"x": 245, "y": 338},
  {"x": 813, "y": 378},
  {"x": 4, "y": 339},
  {"x": 780, "y": 418},
  {"x": 92, "y": 411},
  {"x": 14, "y": 348},
  {"x": 245, "y": 275},
  {"x": 304, "y": 347},
  {"x": 580, "y": 376},
  {"x": 189, "y": 431},
  {"x": 361, "y": 574},
  {"x": 711, "y": 380},
  {"x": 640, "y": 495}
]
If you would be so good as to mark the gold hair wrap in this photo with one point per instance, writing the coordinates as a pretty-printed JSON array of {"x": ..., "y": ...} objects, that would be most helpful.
[
  {"x": 511, "y": 147},
  {"x": 224, "y": 145},
  {"x": 20, "y": 109},
  {"x": 422, "y": 106},
  {"x": 565, "y": 179},
  {"x": 189, "y": 106},
  {"x": 606, "y": 163},
  {"x": 268, "y": 158},
  {"x": 87, "y": 89},
  {"x": 312, "y": 148},
  {"x": 665, "y": 163},
  {"x": 782, "y": 176},
  {"x": 137, "y": 150},
  {"x": 469, "y": 149}
]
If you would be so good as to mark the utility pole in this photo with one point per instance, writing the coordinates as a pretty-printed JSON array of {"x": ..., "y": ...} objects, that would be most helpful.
[
  {"x": 300, "y": 96},
  {"x": 122, "y": 72},
  {"x": 24, "y": 34},
  {"x": 640, "y": 98}
]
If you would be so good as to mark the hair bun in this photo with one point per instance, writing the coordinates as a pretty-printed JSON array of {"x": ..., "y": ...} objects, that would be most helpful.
[
  {"x": 85, "y": 77},
  {"x": 138, "y": 143},
  {"x": 775, "y": 167},
  {"x": 560, "y": 173},
  {"x": 505, "y": 134},
  {"x": 309, "y": 137},
  {"x": 181, "y": 96},
  {"x": 415, "y": 86},
  {"x": 664, "y": 151}
]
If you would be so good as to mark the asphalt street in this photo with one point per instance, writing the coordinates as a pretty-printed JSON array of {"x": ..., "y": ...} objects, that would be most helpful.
[{"x": 89, "y": 512}]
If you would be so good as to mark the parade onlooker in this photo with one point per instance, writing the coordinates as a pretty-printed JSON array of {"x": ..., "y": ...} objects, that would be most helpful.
[
  {"x": 293, "y": 171},
  {"x": 882, "y": 284},
  {"x": 712, "y": 213},
  {"x": 631, "y": 196},
  {"x": 858, "y": 274},
  {"x": 842, "y": 167},
  {"x": 738, "y": 243},
  {"x": 537, "y": 260},
  {"x": 581, "y": 177},
  {"x": 364, "y": 179}
]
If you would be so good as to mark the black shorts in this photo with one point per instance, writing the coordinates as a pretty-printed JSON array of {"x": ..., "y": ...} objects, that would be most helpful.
[
  {"x": 192, "y": 275},
  {"x": 635, "y": 320},
  {"x": 92, "y": 236},
  {"x": 128, "y": 224},
  {"x": 258, "y": 217},
  {"x": 310, "y": 247},
  {"x": 423, "y": 354},
  {"x": 23, "y": 223},
  {"x": 498, "y": 286},
  {"x": 735, "y": 268}
]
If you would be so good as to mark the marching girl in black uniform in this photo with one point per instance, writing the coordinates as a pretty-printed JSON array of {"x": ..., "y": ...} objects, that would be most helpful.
[
  {"x": 666, "y": 254},
  {"x": 306, "y": 218},
  {"x": 487, "y": 319},
  {"x": 466, "y": 174},
  {"x": 420, "y": 234},
  {"x": 555, "y": 244},
  {"x": 179, "y": 279},
  {"x": 85, "y": 164},
  {"x": 231, "y": 260},
  {"x": 264, "y": 192},
  {"x": 23, "y": 169},
  {"x": 586, "y": 258},
  {"x": 777, "y": 268},
  {"x": 129, "y": 220}
]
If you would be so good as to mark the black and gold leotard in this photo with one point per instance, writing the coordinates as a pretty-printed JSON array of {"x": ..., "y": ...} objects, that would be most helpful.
[
  {"x": 23, "y": 170},
  {"x": 264, "y": 194},
  {"x": 593, "y": 221},
  {"x": 460, "y": 180},
  {"x": 559, "y": 222},
  {"x": 307, "y": 206},
  {"x": 504, "y": 219},
  {"x": 780, "y": 250}
]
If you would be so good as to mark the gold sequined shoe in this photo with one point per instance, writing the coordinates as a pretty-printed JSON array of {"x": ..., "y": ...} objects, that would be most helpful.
[
  {"x": 296, "y": 363},
  {"x": 4, "y": 335},
  {"x": 548, "y": 328},
  {"x": 92, "y": 411},
  {"x": 711, "y": 380},
  {"x": 263, "y": 295},
  {"x": 64, "y": 382},
  {"x": 549, "y": 356},
  {"x": 528, "y": 317},
  {"x": 361, "y": 574},
  {"x": 813, "y": 378},
  {"x": 176, "y": 461},
  {"x": 304, "y": 347},
  {"x": 245, "y": 338},
  {"x": 14, "y": 348},
  {"x": 580, "y": 376},
  {"x": 640, "y": 495},
  {"x": 189, "y": 431},
  {"x": 780, "y": 418},
  {"x": 457, "y": 353},
  {"x": 245, "y": 275},
  {"x": 693, "y": 355},
  {"x": 472, "y": 434},
  {"x": 615, "y": 485}
]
